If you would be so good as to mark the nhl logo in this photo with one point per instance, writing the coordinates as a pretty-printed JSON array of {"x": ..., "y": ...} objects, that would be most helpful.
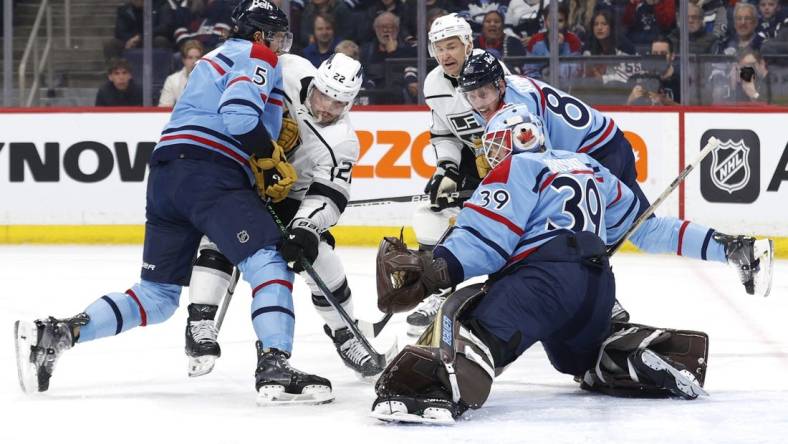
[
  {"x": 243, "y": 237},
  {"x": 730, "y": 168}
]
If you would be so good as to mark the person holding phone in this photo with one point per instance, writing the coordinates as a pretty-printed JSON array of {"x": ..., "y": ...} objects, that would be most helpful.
[{"x": 750, "y": 80}]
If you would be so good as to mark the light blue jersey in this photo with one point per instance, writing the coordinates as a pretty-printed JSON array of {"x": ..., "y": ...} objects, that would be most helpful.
[
  {"x": 233, "y": 93},
  {"x": 529, "y": 199},
  {"x": 569, "y": 123}
]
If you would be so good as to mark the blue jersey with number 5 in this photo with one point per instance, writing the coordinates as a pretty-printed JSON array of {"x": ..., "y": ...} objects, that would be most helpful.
[
  {"x": 232, "y": 91},
  {"x": 570, "y": 124},
  {"x": 529, "y": 199}
]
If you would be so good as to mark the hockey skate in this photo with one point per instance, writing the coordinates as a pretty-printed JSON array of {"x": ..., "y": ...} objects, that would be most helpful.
[
  {"x": 665, "y": 373},
  {"x": 435, "y": 411},
  {"x": 353, "y": 354},
  {"x": 278, "y": 383},
  {"x": 39, "y": 344},
  {"x": 619, "y": 313},
  {"x": 425, "y": 313},
  {"x": 201, "y": 346},
  {"x": 752, "y": 259}
]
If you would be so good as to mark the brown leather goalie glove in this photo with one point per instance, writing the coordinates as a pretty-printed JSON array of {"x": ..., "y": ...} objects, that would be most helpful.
[
  {"x": 274, "y": 176},
  {"x": 288, "y": 136},
  {"x": 405, "y": 277}
]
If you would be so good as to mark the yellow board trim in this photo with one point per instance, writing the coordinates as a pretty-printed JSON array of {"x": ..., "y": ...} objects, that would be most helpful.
[{"x": 134, "y": 234}]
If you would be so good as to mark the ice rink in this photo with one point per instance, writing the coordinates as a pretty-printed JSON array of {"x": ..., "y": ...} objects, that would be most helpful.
[{"x": 133, "y": 388}]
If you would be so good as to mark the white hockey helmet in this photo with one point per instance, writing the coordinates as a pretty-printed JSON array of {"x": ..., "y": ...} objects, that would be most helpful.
[
  {"x": 337, "y": 83},
  {"x": 450, "y": 25},
  {"x": 513, "y": 129}
]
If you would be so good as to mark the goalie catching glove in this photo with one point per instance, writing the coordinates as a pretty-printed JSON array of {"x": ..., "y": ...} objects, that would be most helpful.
[
  {"x": 405, "y": 277},
  {"x": 274, "y": 176}
]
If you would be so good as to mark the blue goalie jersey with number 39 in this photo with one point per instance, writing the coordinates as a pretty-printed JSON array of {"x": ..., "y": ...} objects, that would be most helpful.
[{"x": 529, "y": 199}]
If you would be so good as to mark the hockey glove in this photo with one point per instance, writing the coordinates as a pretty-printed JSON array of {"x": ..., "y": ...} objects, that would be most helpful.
[
  {"x": 442, "y": 185},
  {"x": 288, "y": 136},
  {"x": 301, "y": 241},
  {"x": 405, "y": 277},
  {"x": 482, "y": 166},
  {"x": 274, "y": 176}
]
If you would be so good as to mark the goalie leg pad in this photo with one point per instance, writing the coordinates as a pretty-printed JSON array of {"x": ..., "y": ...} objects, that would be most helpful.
[{"x": 615, "y": 375}]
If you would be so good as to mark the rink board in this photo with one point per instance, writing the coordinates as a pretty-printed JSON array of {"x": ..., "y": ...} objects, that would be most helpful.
[{"x": 78, "y": 175}]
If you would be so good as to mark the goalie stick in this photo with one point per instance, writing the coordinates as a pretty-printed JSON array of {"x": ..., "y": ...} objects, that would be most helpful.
[
  {"x": 380, "y": 359},
  {"x": 465, "y": 194},
  {"x": 711, "y": 145}
]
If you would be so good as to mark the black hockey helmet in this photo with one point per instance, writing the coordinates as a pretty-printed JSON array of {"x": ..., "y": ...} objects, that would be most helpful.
[
  {"x": 479, "y": 70},
  {"x": 250, "y": 16}
]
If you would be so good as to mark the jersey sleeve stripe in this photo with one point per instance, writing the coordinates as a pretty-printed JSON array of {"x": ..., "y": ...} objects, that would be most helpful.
[
  {"x": 504, "y": 255},
  {"x": 215, "y": 65},
  {"x": 276, "y": 102},
  {"x": 626, "y": 215},
  {"x": 541, "y": 237},
  {"x": 496, "y": 217},
  {"x": 522, "y": 255},
  {"x": 548, "y": 181},
  {"x": 604, "y": 135},
  {"x": 618, "y": 196},
  {"x": 243, "y": 102},
  {"x": 205, "y": 130},
  {"x": 278, "y": 91},
  {"x": 227, "y": 61},
  {"x": 541, "y": 93},
  {"x": 319, "y": 189},
  {"x": 208, "y": 142},
  {"x": 539, "y": 177},
  {"x": 238, "y": 79}
]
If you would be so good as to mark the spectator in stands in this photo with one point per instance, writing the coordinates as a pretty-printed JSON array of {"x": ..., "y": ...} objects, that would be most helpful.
[
  {"x": 745, "y": 21},
  {"x": 715, "y": 16},
  {"x": 771, "y": 18},
  {"x": 386, "y": 46},
  {"x": 407, "y": 24},
  {"x": 777, "y": 45},
  {"x": 580, "y": 15},
  {"x": 344, "y": 27},
  {"x": 349, "y": 48},
  {"x": 207, "y": 21},
  {"x": 568, "y": 42},
  {"x": 660, "y": 87},
  {"x": 700, "y": 41},
  {"x": 120, "y": 89},
  {"x": 191, "y": 51},
  {"x": 603, "y": 41},
  {"x": 524, "y": 18},
  {"x": 648, "y": 19},
  {"x": 324, "y": 41},
  {"x": 746, "y": 82},
  {"x": 128, "y": 29},
  {"x": 495, "y": 41}
]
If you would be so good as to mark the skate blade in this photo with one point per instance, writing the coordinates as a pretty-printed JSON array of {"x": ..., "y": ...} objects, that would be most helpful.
[
  {"x": 26, "y": 335},
  {"x": 432, "y": 416},
  {"x": 275, "y": 395},
  {"x": 687, "y": 384},
  {"x": 764, "y": 251},
  {"x": 416, "y": 330},
  {"x": 201, "y": 365}
]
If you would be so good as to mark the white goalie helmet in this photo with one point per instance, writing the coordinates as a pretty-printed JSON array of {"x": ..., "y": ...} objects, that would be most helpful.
[
  {"x": 450, "y": 25},
  {"x": 513, "y": 129},
  {"x": 338, "y": 81}
]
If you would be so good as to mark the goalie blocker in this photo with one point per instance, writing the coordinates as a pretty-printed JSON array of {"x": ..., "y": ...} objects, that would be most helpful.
[{"x": 562, "y": 299}]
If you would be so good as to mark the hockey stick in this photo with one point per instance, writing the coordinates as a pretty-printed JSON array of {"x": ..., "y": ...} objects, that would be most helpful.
[
  {"x": 379, "y": 359},
  {"x": 465, "y": 194},
  {"x": 227, "y": 298},
  {"x": 373, "y": 328},
  {"x": 711, "y": 145}
]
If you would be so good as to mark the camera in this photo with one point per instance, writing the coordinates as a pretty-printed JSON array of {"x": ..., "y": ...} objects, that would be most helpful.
[{"x": 746, "y": 73}]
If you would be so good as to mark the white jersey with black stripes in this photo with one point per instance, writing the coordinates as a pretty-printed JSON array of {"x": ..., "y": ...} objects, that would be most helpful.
[{"x": 324, "y": 156}]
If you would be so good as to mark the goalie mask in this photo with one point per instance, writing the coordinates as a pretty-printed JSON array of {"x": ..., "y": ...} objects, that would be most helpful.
[
  {"x": 512, "y": 130},
  {"x": 334, "y": 88}
]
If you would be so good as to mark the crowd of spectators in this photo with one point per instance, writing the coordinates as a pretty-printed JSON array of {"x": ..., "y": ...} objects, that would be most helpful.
[{"x": 377, "y": 31}]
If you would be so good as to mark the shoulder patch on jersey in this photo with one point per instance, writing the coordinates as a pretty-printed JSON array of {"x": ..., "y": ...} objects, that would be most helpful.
[
  {"x": 264, "y": 53},
  {"x": 499, "y": 174}
]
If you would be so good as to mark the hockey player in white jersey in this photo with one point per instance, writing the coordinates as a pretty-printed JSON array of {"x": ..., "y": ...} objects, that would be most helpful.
[
  {"x": 455, "y": 134},
  {"x": 323, "y": 152}
]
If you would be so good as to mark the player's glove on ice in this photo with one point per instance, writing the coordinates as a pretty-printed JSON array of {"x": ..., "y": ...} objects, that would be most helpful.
[
  {"x": 273, "y": 175},
  {"x": 288, "y": 135},
  {"x": 301, "y": 241},
  {"x": 442, "y": 185}
]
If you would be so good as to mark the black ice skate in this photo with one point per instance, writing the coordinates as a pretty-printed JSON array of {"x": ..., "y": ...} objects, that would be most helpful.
[
  {"x": 353, "y": 354},
  {"x": 665, "y": 373},
  {"x": 423, "y": 410},
  {"x": 201, "y": 346},
  {"x": 425, "y": 313},
  {"x": 278, "y": 383},
  {"x": 753, "y": 260},
  {"x": 39, "y": 344},
  {"x": 619, "y": 313}
]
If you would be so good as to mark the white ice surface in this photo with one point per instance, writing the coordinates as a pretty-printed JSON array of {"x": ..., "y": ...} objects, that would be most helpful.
[{"x": 133, "y": 388}]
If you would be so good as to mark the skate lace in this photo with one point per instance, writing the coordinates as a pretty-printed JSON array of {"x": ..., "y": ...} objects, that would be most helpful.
[
  {"x": 203, "y": 331},
  {"x": 354, "y": 351},
  {"x": 431, "y": 305}
]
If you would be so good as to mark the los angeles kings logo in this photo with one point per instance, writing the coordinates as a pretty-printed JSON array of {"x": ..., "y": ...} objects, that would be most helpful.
[{"x": 732, "y": 173}]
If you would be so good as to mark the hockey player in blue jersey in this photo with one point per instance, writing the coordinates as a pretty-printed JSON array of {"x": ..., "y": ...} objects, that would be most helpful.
[
  {"x": 538, "y": 225},
  {"x": 216, "y": 158},
  {"x": 572, "y": 125}
]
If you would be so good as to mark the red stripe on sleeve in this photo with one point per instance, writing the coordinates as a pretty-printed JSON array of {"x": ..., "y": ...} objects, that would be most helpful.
[
  {"x": 208, "y": 142},
  {"x": 590, "y": 146},
  {"x": 238, "y": 79},
  {"x": 143, "y": 315},
  {"x": 215, "y": 65},
  {"x": 273, "y": 101},
  {"x": 548, "y": 181},
  {"x": 618, "y": 196},
  {"x": 496, "y": 217}
]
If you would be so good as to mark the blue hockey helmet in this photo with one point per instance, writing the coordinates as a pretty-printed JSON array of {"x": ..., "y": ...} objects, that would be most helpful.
[
  {"x": 250, "y": 16},
  {"x": 513, "y": 129},
  {"x": 480, "y": 83}
]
